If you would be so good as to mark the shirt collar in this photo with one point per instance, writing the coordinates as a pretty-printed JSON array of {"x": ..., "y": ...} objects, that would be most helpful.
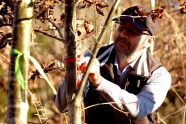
[{"x": 131, "y": 65}]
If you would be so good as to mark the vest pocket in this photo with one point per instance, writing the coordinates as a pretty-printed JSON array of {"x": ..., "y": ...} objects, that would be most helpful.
[{"x": 135, "y": 83}]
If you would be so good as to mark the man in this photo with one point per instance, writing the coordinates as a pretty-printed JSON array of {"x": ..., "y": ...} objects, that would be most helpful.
[{"x": 125, "y": 75}]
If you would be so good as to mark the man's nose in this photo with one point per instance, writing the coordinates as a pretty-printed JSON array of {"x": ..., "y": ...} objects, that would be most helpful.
[{"x": 124, "y": 33}]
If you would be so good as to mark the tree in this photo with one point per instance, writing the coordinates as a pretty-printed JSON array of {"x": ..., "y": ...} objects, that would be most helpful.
[
  {"x": 18, "y": 75},
  {"x": 70, "y": 55},
  {"x": 16, "y": 91}
]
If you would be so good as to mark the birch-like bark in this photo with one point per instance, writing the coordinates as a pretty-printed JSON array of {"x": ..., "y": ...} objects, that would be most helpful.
[{"x": 17, "y": 96}]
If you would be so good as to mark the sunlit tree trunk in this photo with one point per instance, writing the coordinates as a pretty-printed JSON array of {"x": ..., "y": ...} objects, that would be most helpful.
[{"x": 17, "y": 95}]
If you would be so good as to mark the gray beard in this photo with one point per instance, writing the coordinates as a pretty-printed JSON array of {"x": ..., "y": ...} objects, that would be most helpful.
[{"x": 124, "y": 54}]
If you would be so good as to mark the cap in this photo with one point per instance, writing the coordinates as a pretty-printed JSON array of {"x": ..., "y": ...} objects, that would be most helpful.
[{"x": 144, "y": 23}]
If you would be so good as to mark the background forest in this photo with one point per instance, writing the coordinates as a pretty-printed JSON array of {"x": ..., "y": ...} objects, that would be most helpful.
[{"x": 47, "y": 48}]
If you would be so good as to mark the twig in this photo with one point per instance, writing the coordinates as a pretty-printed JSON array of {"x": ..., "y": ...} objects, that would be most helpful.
[
  {"x": 43, "y": 8},
  {"x": 118, "y": 16},
  {"x": 51, "y": 52},
  {"x": 88, "y": 35},
  {"x": 44, "y": 33},
  {"x": 65, "y": 118},
  {"x": 184, "y": 114},
  {"x": 109, "y": 103},
  {"x": 111, "y": 32},
  {"x": 5, "y": 58},
  {"x": 174, "y": 113},
  {"x": 57, "y": 28},
  {"x": 79, "y": 43},
  {"x": 162, "y": 121},
  {"x": 177, "y": 95}
]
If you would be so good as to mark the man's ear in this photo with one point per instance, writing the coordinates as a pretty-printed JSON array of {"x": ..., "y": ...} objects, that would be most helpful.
[{"x": 149, "y": 41}]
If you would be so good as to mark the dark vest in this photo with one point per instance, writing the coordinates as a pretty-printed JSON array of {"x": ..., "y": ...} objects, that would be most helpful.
[{"x": 133, "y": 83}]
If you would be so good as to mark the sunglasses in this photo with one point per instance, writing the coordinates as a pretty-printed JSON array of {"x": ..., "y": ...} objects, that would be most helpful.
[{"x": 132, "y": 31}]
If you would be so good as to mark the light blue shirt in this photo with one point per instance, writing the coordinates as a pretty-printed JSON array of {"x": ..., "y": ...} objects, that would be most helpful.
[{"x": 125, "y": 70}]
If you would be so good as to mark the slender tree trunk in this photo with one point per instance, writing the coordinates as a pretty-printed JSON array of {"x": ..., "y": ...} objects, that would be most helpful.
[
  {"x": 17, "y": 95},
  {"x": 70, "y": 59}
]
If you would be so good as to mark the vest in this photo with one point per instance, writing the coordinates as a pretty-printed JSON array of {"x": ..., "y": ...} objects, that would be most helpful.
[{"x": 133, "y": 83}]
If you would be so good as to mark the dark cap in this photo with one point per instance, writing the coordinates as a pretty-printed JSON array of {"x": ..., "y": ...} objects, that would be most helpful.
[{"x": 144, "y": 23}]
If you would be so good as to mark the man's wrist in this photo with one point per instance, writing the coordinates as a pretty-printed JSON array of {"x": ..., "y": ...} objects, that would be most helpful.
[{"x": 96, "y": 84}]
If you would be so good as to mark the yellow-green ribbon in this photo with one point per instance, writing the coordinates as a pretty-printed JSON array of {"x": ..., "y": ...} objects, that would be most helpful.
[
  {"x": 19, "y": 75},
  {"x": 18, "y": 72}
]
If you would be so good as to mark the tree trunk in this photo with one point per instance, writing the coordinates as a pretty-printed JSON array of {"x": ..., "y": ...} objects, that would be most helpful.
[
  {"x": 70, "y": 44},
  {"x": 17, "y": 90}
]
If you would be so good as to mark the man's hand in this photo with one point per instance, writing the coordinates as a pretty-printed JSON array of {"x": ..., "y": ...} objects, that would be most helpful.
[{"x": 94, "y": 74}]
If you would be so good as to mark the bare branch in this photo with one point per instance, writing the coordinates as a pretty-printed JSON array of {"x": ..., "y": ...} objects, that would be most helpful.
[
  {"x": 52, "y": 36},
  {"x": 57, "y": 27}
]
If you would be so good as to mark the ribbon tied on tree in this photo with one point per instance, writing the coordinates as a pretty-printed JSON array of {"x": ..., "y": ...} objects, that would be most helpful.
[{"x": 18, "y": 72}]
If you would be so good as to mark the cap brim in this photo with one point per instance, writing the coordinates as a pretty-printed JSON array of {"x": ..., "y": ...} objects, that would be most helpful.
[{"x": 133, "y": 21}]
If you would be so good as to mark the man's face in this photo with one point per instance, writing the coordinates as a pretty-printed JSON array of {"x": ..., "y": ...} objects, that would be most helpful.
[{"x": 129, "y": 40}]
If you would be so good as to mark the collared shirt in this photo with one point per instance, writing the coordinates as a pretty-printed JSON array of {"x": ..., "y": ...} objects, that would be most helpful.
[{"x": 125, "y": 70}]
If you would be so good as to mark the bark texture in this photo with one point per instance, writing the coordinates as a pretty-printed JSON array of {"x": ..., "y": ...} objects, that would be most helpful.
[{"x": 17, "y": 96}]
